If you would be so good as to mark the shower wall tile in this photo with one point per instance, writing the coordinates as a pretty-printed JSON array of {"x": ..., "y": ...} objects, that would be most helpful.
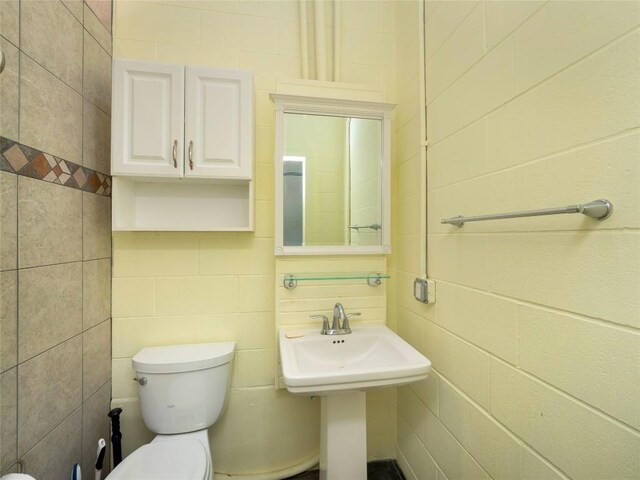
[
  {"x": 50, "y": 306},
  {"x": 96, "y": 84},
  {"x": 50, "y": 113},
  {"x": 53, "y": 306},
  {"x": 96, "y": 425},
  {"x": 10, "y": 20},
  {"x": 96, "y": 138},
  {"x": 75, "y": 7},
  {"x": 8, "y": 417},
  {"x": 96, "y": 226},
  {"x": 8, "y": 319},
  {"x": 54, "y": 456},
  {"x": 8, "y": 221},
  {"x": 96, "y": 28},
  {"x": 52, "y": 36},
  {"x": 50, "y": 226},
  {"x": 49, "y": 389},
  {"x": 9, "y": 93},
  {"x": 96, "y": 292},
  {"x": 96, "y": 364},
  {"x": 102, "y": 10}
]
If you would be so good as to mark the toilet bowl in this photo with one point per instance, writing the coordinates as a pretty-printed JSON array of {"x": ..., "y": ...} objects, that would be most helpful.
[
  {"x": 182, "y": 389},
  {"x": 168, "y": 457}
]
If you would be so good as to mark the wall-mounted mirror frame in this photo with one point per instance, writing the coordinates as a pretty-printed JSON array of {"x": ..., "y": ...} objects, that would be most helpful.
[{"x": 309, "y": 105}]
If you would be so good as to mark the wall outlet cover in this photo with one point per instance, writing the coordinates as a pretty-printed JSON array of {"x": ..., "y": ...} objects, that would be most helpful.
[{"x": 424, "y": 290}]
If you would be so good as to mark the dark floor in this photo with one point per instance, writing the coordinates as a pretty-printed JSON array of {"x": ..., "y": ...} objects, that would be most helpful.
[{"x": 379, "y": 470}]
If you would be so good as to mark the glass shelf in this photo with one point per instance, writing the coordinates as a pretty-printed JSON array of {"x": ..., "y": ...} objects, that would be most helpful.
[{"x": 373, "y": 279}]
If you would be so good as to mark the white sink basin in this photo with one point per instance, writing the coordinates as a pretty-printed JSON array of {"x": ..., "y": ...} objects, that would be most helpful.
[{"x": 370, "y": 357}]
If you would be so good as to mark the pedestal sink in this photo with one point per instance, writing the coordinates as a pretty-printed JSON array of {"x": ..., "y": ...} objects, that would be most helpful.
[{"x": 339, "y": 369}]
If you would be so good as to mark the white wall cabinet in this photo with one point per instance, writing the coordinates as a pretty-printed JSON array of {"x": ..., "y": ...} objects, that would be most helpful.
[
  {"x": 148, "y": 124},
  {"x": 182, "y": 147},
  {"x": 218, "y": 119}
]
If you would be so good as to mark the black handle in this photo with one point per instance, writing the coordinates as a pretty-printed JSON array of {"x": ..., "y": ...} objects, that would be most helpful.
[
  {"x": 100, "y": 458},
  {"x": 116, "y": 436}
]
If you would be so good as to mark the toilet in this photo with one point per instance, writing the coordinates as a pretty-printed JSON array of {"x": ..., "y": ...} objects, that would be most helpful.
[{"x": 182, "y": 389}]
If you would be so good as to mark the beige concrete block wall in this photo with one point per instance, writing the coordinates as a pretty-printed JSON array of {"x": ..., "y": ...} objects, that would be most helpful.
[
  {"x": 190, "y": 287},
  {"x": 173, "y": 288},
  {"x": 534, "y": 335}
]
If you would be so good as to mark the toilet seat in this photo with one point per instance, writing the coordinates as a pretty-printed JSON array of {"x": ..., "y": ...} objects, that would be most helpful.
[{"x": 179, "y": 459}]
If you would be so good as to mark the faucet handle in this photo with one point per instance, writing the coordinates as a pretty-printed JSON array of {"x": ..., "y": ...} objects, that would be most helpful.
[
  {"x": 345, "y": 322},
  {"x": 325, "y": 322}
]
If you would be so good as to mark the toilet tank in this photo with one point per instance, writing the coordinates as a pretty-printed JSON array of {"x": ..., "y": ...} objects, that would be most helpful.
[{"x": 182, "y": 387}]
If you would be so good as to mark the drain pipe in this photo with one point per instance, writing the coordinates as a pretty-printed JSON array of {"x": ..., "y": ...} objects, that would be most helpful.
[
  {"x": 337, "y": 40},
  {"x": 321, "y": 46},
  {"x": 304, "y": 41},
  {"x": 423, "y": 288},
  {"x": 424, "y": 143}
]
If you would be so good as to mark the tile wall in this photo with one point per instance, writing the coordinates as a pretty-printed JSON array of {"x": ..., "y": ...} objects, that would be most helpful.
[
  {"x": 55, "y": 250},
  {"x": 534, "y": 336}
]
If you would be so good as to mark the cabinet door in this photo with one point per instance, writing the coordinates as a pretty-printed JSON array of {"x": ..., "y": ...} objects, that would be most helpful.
[
  {"x": 219, "y": 123},
  {"x": 148, "y": 119}
]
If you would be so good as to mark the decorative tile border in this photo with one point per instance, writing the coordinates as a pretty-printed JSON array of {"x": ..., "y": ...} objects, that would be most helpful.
[{"x": 22, "y": 160}]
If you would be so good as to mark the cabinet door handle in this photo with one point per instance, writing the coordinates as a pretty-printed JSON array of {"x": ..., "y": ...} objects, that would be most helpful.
[
  {"x": 175, "y": 154},
  {"x": 191, "y": 154}
]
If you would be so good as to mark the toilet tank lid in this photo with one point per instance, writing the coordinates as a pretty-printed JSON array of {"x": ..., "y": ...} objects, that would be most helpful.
[{"x": 183, "y": 358}]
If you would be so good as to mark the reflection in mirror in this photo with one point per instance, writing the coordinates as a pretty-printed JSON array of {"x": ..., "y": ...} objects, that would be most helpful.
[
  {"x": 293, "y": 194},
  {"x": 332, "y": 185},
  {"x": 333, "y": 164}
]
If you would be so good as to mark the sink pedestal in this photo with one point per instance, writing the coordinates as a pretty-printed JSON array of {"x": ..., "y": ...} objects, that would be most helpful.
[
  {"x": 343, "y": 436},
  {"x": 339, "y": 370}
]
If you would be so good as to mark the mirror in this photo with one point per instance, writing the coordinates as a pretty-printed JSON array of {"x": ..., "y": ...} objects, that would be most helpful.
[{"x": 332, "y": 176}]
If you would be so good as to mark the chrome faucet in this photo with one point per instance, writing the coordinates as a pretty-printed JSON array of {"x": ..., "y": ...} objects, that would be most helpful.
[
  {"x": 340, "y": 324},
  {"x": 339, "y": 317}
]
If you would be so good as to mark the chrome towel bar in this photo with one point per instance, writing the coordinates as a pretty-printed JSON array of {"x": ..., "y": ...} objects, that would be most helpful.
[{"x": 598, "y": 209}]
